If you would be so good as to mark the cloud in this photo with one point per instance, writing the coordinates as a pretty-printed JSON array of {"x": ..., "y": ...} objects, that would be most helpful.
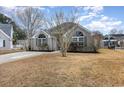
[
  {"x": 52, "y": 6},
  {"x": 10, "y": 11},
  {"x": 94, "y": 9},
  {"x": 91, "y": 12},
  {"x": 89, "y": 16},
  {"x": 17, "y": 8},
  {"x": 40, "y": 8},
  {"x": 94, "y": 19},
  {"x": 104, "y": 24}
]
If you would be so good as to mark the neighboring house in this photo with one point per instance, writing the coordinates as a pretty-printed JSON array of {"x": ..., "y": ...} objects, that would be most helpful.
[
  {"x": 81, "y": 39},
  {"x": 6, "y": 36},
  {"x": 113, "y": 41}
]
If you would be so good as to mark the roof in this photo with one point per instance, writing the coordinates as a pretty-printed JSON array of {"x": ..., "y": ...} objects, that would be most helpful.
[
  {"x": 117, "y": 35},
  {"x": 6, "y": 28},
  {"x": 114, "y": 36},
  {"x": 65, "y": 26}
]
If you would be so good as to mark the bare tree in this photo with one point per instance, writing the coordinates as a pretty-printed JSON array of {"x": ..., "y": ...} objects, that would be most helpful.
[
  {"x": 113, "y": 31},
  {"x": 97, "y": 35},
  {"x": 116, "y": 31},
  {"x": 31, "y": 20},
  {"x": 58, "y": 22},
  {"x": 121, "y": 32}
]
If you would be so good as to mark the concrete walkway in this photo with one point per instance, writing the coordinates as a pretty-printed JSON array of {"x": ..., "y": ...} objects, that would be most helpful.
[{"x": 19, "y": 55}]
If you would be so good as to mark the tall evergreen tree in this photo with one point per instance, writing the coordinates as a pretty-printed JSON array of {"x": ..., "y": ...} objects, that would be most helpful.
[{"x": 4, "y": 19}]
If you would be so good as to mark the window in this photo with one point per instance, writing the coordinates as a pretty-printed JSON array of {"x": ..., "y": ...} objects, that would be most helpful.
[
  {"x": 42, "y": 39},
  {"x": 81, "y": 39},
  {"x": 3, "y": 43},
  {"x": 78, "y": 33},
  {"x": 106, "y": 38},
  {"x": 41, "y": 36},
  {"x": 111, "y": 38},
  {"x": 39, "y": 42},
  {"x": 106, "y": 43},
  {"x": 74, "y": 39}
]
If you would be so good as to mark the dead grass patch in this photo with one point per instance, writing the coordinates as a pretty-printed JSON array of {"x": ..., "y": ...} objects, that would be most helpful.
[
  {"x": 10, "y": 51},
  {"x": 77, "y": 69}
]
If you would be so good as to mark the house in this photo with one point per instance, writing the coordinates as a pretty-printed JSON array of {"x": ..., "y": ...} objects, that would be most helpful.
[
  {"x": 113, "y": 41},
  {"x": 81, "y": 41},
  {"x": 6, "y": 36}
]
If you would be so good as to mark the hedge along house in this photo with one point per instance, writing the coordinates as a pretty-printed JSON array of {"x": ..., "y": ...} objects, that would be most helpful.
[
  {"x": 81, "y": 41},
  {"x": 6, "y": 36}
]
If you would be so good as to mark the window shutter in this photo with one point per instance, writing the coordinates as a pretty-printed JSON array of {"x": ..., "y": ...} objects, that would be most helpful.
[{"x": 4, "y": 43}]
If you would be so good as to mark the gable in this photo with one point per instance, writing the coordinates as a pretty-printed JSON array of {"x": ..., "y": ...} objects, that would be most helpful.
[
  {"x": 68, "y": 26},
  {"x": 3, "y": 35},
  {"x": 83, "y": 30},
  {"x": 6, "y": 28}
]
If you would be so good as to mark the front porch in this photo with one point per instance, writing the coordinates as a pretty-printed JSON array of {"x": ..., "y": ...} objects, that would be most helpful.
[{"x": 44, "y": 44}]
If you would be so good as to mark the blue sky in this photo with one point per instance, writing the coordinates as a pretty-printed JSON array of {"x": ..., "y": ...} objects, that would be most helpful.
[{"x": 93, "y": 18}]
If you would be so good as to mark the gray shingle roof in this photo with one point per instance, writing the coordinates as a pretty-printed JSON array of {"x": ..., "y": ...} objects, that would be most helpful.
[
  {"x": 66, "y": 26},
  {"x": 6, "y": 28},
  {"x": 115, "y": 36}
]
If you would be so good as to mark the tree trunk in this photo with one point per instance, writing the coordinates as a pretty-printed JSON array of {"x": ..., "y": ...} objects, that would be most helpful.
[
  {"x": 64, "y": 50},
  {"x": 64, "y": 53},
  {"x": 29, "y": 44}
]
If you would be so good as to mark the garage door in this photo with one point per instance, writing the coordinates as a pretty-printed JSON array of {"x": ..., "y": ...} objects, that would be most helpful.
[{"x": 1, "y": 42}]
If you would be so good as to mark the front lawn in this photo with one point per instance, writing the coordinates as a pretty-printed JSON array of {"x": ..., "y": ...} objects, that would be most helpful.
[{"x": 77, "y": 69}]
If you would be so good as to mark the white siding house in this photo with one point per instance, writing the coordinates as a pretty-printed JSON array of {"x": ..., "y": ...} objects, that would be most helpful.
[
  {"x": 46, "y": 40},
  {"x": 43, "y": 41},
  {"x": 6, "y": 36},
  {"x": 113, "y": 41}
]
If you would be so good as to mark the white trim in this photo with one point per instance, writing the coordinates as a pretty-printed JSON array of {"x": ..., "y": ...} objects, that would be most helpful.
[
  {"x": 12, "y": 31},
  {"x": 84, "y": 28},
  {"x": 109, "y": 40},
  {"x": 5, "y": 34},
  {"x": 1, "y": 43}
]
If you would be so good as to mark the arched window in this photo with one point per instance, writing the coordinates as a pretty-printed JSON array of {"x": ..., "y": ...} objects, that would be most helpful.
[
  {"x": 78, "y": 37},
  {"x": 42, "y": 39},
  {"x": 112, "y": 38},
  {"x": 78, "y": 33},
  {"x": 106, "y": 38},
  {"x": 41, "y": 36}
]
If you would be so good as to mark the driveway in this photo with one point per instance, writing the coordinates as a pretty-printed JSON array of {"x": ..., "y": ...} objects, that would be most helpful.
[{"x": 19, "y": 55}]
